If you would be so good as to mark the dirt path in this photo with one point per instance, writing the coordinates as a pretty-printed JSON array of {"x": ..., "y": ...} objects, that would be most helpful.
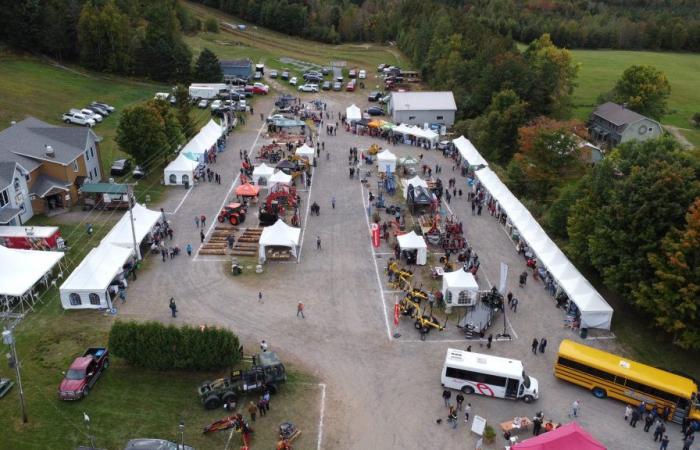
[{"x": 678, "y": 134}]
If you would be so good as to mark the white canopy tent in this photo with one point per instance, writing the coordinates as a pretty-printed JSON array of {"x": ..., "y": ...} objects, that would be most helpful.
[
  {"x": 262, "y": 172},
  {"x": 87, "y": 287},
  {"x": 180, "y": 171},
  {"x": 353, "y": 112},
  {"x": 386, "y": 161},
  {"x": 203, "y": 141},
  {"x": 459, "y": 288},
  {"x": 416, "y": 131},
  {"x": 595, "y": 311},
  {"x": 279, "y": 177},
  {"x": 22, "y": 269},
  {"x": 144, "y": 221},
  {"x": 411, "y": 241},
  {"x": 468, "y": 152},
  {"x": 415, "y": 181},
  {"x": 305, "y": 151},
  {"x": 279, "y": 235}
]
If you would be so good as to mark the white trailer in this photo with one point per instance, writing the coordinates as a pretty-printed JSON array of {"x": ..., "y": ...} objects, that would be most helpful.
[
  {"x": 206, "y": 90},
  {"x": 492, "y": 376}
]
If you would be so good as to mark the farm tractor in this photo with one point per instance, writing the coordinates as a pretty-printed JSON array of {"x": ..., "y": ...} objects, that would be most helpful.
[
  {"x": 234, "y": 213},
  {"x": 275, "y": 204}
]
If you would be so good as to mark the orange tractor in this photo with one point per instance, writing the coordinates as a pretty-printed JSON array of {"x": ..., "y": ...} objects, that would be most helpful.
[{"x": 234, "y": 213}]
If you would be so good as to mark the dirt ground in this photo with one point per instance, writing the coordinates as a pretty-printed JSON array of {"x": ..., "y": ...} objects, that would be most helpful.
[{"x": 381, "y": 392}]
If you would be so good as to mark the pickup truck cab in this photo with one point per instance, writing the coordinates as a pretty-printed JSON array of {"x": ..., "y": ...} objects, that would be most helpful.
[
  {"x": 78, "y": 118},
  {"x": 83, "y": 373}
]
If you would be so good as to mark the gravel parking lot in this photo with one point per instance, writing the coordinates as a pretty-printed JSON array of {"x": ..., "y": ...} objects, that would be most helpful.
[{"x": 382, "y": 393}]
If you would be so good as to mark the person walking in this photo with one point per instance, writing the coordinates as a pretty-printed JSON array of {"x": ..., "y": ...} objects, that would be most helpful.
[
  {"x": 452, "y": 417},
  {"x": 266, "y": 397},
  {"x": 203, "y": 220},
  {"x": 535, "y": 344},
  {"x": 252, "y": 410},
  {"x": 510, "y": 297},
  {"x": 460, "y": 400},
  {"x": 201, "y": 237},
  {"x": 333, "y": 202},
  {"x": 628, "y": 412},
  {"x": 300, "y": 310},
  {"x": 659, "y": 430},
  {"x": 514, "y": 304},
  {"x": 664, "y": 442},
  {"x": 173, "y": 307},
  {"x": 543, "y": 344},
  {"x": 446, "y": 395},
  {"x": 575, "y": 408},
  {"x": 318, "y": 242},
  {"x": 490, "y": 339},
  {"x": 188, "y": 247},
  {"x": 260, "y": 297},
  {"x": 196, "y": 222},
  {"x": 467, "y": 411},
  {"x": 261, "y": 407}
]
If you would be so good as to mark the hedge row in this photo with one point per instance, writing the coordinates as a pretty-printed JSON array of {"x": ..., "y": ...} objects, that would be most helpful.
[{"x": 153, "y": 345}]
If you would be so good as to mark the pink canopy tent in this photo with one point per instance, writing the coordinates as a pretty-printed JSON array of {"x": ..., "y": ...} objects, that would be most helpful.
[{"x": 567, "y": 437}]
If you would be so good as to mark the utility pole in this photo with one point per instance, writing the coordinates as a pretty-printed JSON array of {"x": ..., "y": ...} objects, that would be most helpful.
[
  {"x": 9, "y": 339},
  {"x": 130, "y": 196}
]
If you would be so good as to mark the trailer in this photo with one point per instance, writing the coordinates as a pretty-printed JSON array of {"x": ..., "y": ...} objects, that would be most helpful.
[
  {"x": 30, "y": 238},
  {"x": 206, "y": 90}
]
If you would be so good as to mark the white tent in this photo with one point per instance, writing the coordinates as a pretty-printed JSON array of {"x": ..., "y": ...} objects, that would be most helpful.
[
  {"x": 279, "y": 177},
  {"x": 144, "y": 221},
  {"x": 468, "y": 152},
  {"x": 86, "y": 287},
  {"x": 411, "y": 241},
  {"x": 305, "y": 151},
  {"x": 352, "y": 113},
  {"x": 459, "y": 288},
  {"x": 203, "y": 141},
  {"x": 386, "y": 161},
  {"x": 180, "y": 170},
  {"x": 416, "y": 131},
  {"x": 263, "y": 172},
  {"x": 415, "y": 181},
  {"x": 595, "y": 311},
  {"x": 279, "y": 235},
  {"x": 22, "y": 269}
]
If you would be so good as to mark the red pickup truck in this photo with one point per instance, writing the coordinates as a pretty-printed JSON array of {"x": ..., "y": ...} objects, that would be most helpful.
[{"x": 83, "y": 373}]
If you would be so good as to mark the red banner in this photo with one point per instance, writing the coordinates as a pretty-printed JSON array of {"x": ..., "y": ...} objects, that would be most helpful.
[
  {"x": 376, "y": 235},
  {"x": 396, "y": 314}
]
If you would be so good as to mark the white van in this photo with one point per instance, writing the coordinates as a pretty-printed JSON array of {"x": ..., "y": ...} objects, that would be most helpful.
[{"x": 492, "y": 376}]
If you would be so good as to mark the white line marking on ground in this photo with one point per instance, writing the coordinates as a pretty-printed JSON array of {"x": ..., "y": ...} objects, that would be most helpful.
[
  {"x": 511, "y": 327},
  {"x": 306, "y": 216},
  {"x": 181, "y": 201},
  {"x": 319, "y": 439}
]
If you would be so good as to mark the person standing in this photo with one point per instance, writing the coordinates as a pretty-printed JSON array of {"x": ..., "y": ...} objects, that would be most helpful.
[
  {"x": 300, "y": 310},
  {"x": 188, "y": 247},
  {"x": 266, "y": 398},
  {"x": 510, "y": 297},
  {"x": 634, "y": 418},
  {"x": 659, "y": 430},
  {"x": 628, "y": 412},
  {"x": 318, "y": 242},
  {"x": 543, "y": 344},
  {"x": 446, "y": 395},
  {"x": 201, "y": 236},
  {"x": 173, "y": 307},
  {"x": 688, "y": 441},
  {"x": 252, "y": 410},
  {"x": 196, "y": 222},
  {"x": 490, "y": 339},
  {"x": 536, "y": 426},
  {"x": 467, "y": 410},
  {"x": 535, "y": 344},
  {"x": 460, "y": 400},
  {"x": 203, "y": 220},
  {"x": 648, "y": 422},
  {"x": 514, "y": 304},
  {"x": 333, "y": 202},
  {"x": 452, "y": 417},
  {"x": 664, "y": 442},
  {"x": 575, "y": 407},
  {"x": 261, "y": 407},
  {"x": 260, "y": 297}
]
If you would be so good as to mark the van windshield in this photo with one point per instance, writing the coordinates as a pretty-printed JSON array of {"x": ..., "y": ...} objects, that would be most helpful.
[{"x": 526, "y": 380}]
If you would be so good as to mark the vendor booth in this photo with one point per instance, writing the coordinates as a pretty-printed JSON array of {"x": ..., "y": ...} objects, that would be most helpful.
[
  {"x": 88, "y": 286},
  {"x": 413, "y": 133},
  {"x": 21, "y": 271},
  {"x": 121, "y": 234},
  {"x": 305, "y": 152},
  {"x": 279, "y": 235},
  {"x": 409, "y": 164},
  {"x": 566, "y": 437},
  {"x": 386, "y": 161},
  {"x": 353, "y": 113},
  {"x": 459, "y": 288},
  {"x": 279, "y": 177},
  {"x": 469, "y": 153},
  {"x": 415, "y": 182},
  {"x": 412, "y": 242},
  {"x": 247, "y": 190},
  {"x": 203, "y": 141},
  {"x": 180, "y": 171},
  {"x": 262, "y": 174}
]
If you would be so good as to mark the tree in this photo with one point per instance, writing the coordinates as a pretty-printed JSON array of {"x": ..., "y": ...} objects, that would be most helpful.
[
  {"x": 148, "y": 129},
  {"x": 104, "y": 38},
  {"x": 495, "y": 133},
  {"x": 207, "y": 69},
  {"x": 211, "y": 25},
  {"x": 184, "y": 108},
  {"x": 643, "y": 89},
  {"x": 671, "y": 296}
]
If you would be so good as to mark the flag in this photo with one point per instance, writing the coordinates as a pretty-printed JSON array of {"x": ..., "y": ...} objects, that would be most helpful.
[
  {"x": 376, "y": 235},
  {"x": 396, "y": 313}
]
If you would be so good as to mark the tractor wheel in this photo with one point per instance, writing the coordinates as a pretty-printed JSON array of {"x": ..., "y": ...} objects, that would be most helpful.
[
  {"x": 221, "y": 218},
  {"x": 229, "y": 397},
  {"x": 272, "y": 387},
  {"x": 233, "y": 219},
  {"x": 212, "y": 402}
]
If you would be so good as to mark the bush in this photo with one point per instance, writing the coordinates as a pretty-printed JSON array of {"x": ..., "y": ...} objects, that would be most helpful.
[
  {"x": 152, "y": 345},
  {"x": 212, "y": 25},
  {"x": 489, "y": 434},
  {"x": 696, "y": 119}
]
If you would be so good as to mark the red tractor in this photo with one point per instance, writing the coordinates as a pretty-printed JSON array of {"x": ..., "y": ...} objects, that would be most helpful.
[{"x": 234, "y": 213}]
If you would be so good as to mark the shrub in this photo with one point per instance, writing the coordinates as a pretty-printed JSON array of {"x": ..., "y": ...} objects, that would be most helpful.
[
  {"x": 489, "y": 434},
  {"x": 152, "y": 345},
  {"x": 212, "y": 25}
]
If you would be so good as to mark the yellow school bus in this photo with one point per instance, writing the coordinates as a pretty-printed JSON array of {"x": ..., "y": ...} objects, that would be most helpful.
[{"x": 608, "y": 375}]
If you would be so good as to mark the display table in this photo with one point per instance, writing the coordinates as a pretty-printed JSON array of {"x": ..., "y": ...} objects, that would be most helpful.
[{"x": 512, "y": 427}]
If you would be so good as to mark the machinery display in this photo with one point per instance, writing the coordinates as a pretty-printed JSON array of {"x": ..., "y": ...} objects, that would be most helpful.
[
  {"x": 234, "y": 213},
  {"x": 275, "y": 206}
]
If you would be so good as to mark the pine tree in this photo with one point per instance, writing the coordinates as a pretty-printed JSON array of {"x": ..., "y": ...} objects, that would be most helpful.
[{"x": 207, "y": 68}]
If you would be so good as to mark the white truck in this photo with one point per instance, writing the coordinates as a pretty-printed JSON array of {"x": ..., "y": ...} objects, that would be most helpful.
[
  {"x": 78, "y": 119},
  {"x": 206, "y": 90},
  {"x": 492, "y": 376}
]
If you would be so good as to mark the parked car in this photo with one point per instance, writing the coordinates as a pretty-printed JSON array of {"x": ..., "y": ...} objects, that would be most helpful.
[
  {"x": 375, "y": 111},
  {"x": 238, "y": 82},
  {"x": 138, "y": 173},
  {"x": 203, "y": 103},
  {"x": 308, "y": 88},
  {"x": 339, "y": 78},
  {"x": 83, "y": 373},
  {"x": 326, "y": 71},
  {"x": 337, "y": 86},
  {"x": 242, "y": 105},
  {"x": 275, "y": 117},
  {"x": 293, "y": 81},
  {"x": 374, "y": 96},
  {"x": 326, "y": 86},
  {"x": 385, "y": 100},
  {"x": 154, "y": 444},
  {"x": 257, "y": 76},
  {"x": 260, "y": 88},
  {"x": 98, "y": 110},
  {"x": 216, "y": 104},
  {"x": 362, "y": 75},
  {"x": 313, "y": 78},
  {"x": 273, "y": 74},
  {"x": 78, "y": 119},
  {"x": 352, "y": 73},
  {"x": 350, "y": 86},
  {"x": 105, "y": 106},
  {"x": 381, "y": 67},
  {"x": 120, "y": 167},
  {"x": 285, "y": 75},
  {"x": 90, "y": 114}
]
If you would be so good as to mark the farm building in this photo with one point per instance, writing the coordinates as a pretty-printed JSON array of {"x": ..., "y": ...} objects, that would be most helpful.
[
  {"x": 612, "y": 124},
  {"x": 418, "y": 108},
  {"x": 237, "y": 68}
]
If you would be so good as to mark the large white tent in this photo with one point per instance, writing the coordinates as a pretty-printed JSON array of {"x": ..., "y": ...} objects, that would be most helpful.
[
  {"x": 202, "y": 141},
  {"x": 468, "y": 152},
  {"x": 595, "y": 311},
  {"x": 415, "y": 181},
  {"x": 459, "y": 288},
  {"x": 87, "y": 287},
  {"x": 180, "y": 171},
  {"x": 279, "y": 235},
  {"x": 353, "y": 112},
  {"x": 305, "y": 151},
  {"x": 386, "y": 161},
  {"x": 416, "y": 131},
  {"x": 144, "y": 221},
  {"x": 279, "y": 177},
  {"x": 411, "y": 241},
  {"x": 262, "y": 172},
  {"x": 22, "y": 269}
]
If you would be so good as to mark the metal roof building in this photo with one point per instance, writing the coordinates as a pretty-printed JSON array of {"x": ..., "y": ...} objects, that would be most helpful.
[{"x": 418, "y": 108}]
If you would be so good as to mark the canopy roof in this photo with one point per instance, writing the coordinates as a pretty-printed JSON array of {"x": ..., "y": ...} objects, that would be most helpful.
[
  {"x": 386, "y": 155},
  {"x": 103, "y": 188},
  {"x": 408, "y": 161},
  {"x": 459, "y": 279},
  {"x": 203, "y": 140},
  {"x": 595, "y": 311},
  {"x": 22, "y": 269},
  {"x": 263, "y": 170},
  {"x": 376, "y": 123},
  {"x": 98, "y": 268},
  {"x": 469, "y": 152},
  {"x": 411, "y": 241},
  {"x": 144, "y": 221},
  {"x": 247, "y": 190},
  {"x": 353, "y": 112},
  {"x": 280, "y": 234},
  {"x": 416, "y": 131},
  {"x": 181, "y": 164},
  {"x": 280, "y": 177},
  {"x": 305, "y": 150},
  {"x": 415, "y": 181},
  {"x": 566, "y": 437}
]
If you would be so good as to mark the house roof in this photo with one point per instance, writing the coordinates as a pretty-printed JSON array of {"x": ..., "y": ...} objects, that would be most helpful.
[
  {"x": 7, "y": 214},
  {"x": 27, "y": 140},
  {"x": 617, "y": 114},
  {"x": 423, "y": 101},
  {"x": 7, "y": 171},
  {"x": 44, "y": 184},
  {"x": 236, "y": 63}
]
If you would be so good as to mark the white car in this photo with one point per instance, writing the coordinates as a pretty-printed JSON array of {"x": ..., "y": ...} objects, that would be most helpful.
[
  {"x": 362, "y": 75},
  {"x": 308, "y": 88},
  {"x": 216, "y": 104},
  {"x": 293, "y": 81},
  {"x": 91, "y": 115},
  {"x": 78, "y": 119},
  {"x": 202, "y": 103}
]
